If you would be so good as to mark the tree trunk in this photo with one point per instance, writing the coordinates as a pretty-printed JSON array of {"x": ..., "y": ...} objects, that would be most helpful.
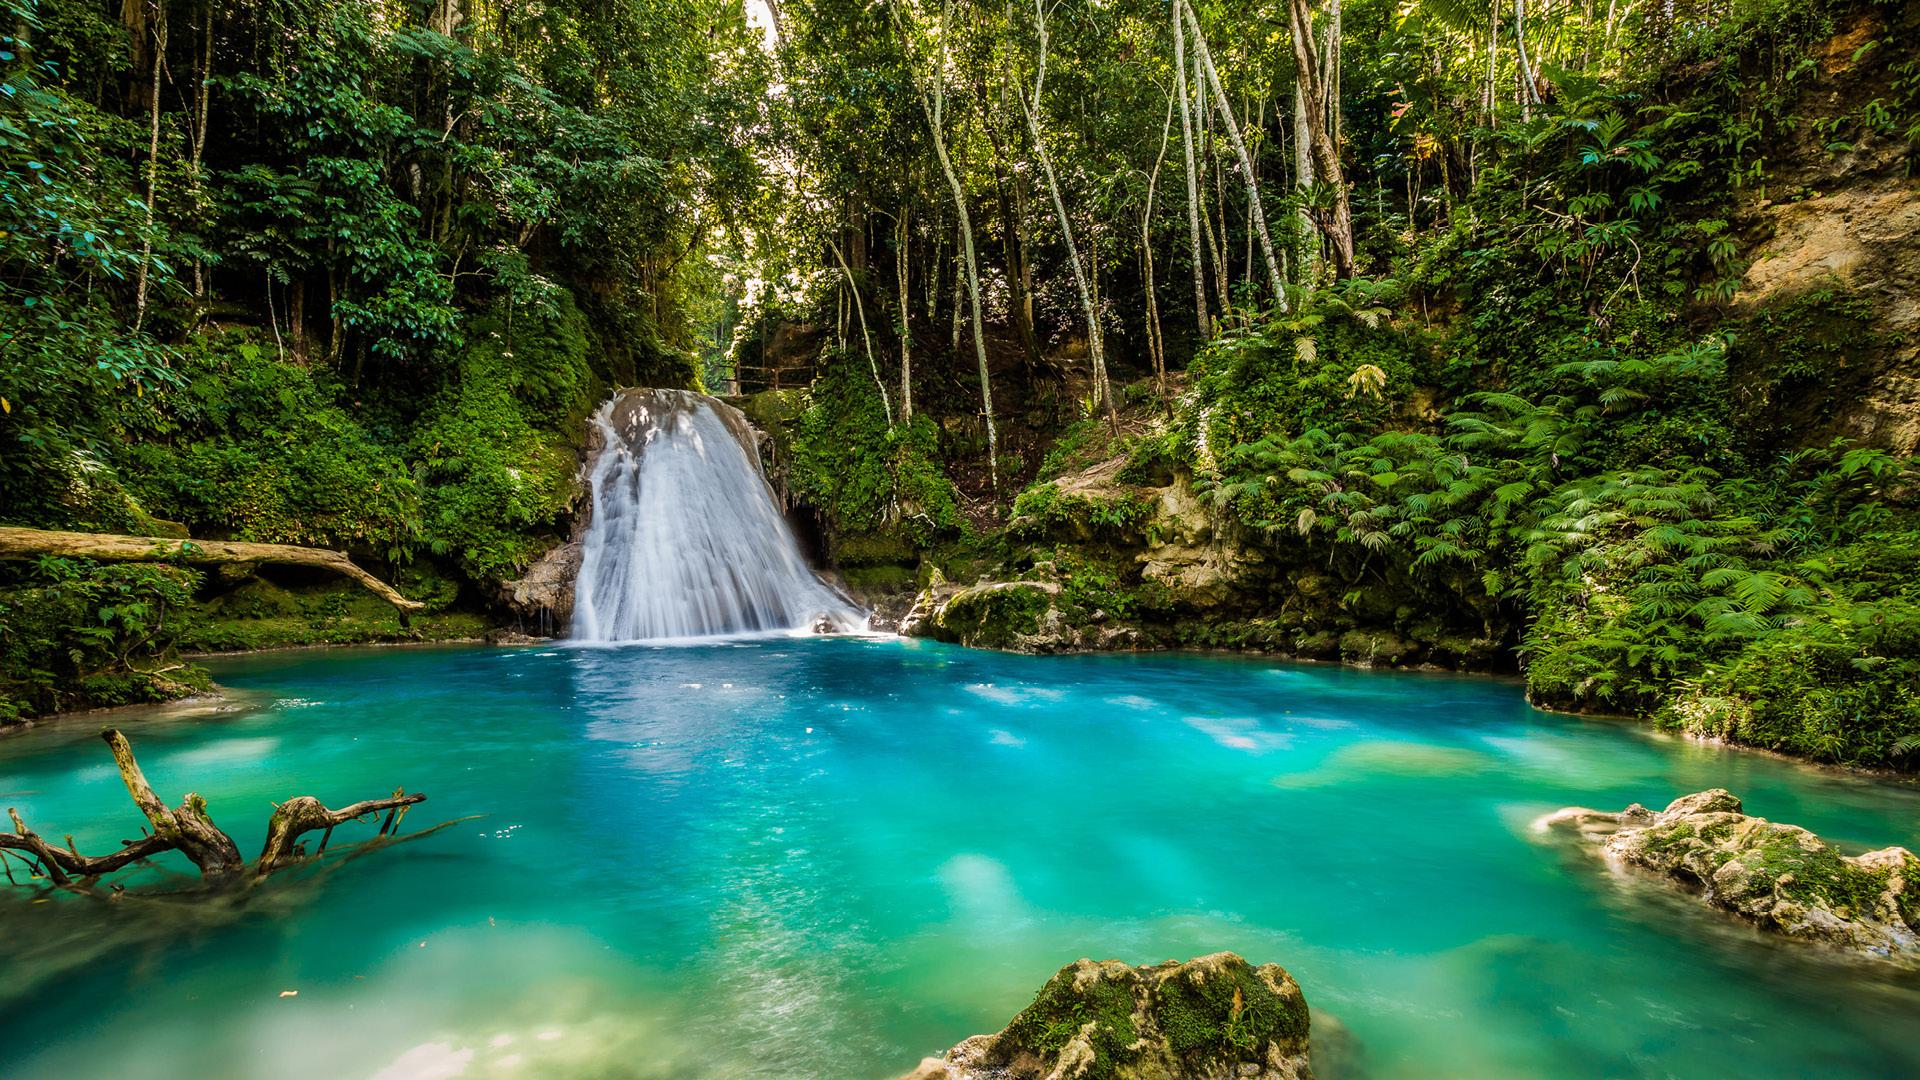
[
  {"x": 853, "y": 286},
  {"x": 934, "y": 106},
  {"x": 1326, "y": 155},
  {"x": 1193, "y": 179},
  {"x": 1013, "y": 246},
  {"x": 1096, "y": 345},
  {"x": 1225, "y": 110},
  {"x": 16, "y": 543},
  {"x": 153, "y": 163},
  {"x": 906, "y": 319},
  {"x": 1216, "y": 222},
  {"x": 1303, "y": 180},
  {"x": 1156, "y": 341},
  {"x": 297, "y": 318},
  {"x": 200, "y": 109},
  {"x": 303, "y": 813},
  {"x": 190, "y": 830},
  {"x": 1529, "y": 96}
]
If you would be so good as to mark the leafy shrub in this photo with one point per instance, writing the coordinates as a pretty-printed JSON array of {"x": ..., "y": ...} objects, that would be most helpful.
[
  {"x": 255, "y": 448},
  {"x": 78, "y": 634},
  {"x": 496, "y": 465},
  {"x": 862, "y": 474}
]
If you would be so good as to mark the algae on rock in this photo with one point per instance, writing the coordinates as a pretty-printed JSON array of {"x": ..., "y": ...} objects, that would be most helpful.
[
  {"x": 1780, "y": 877},
  {"x": 1215, "y": 1016}
]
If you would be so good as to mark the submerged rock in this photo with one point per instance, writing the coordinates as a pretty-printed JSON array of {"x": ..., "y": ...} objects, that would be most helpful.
[
  {"x": 1781, "y": 877},
  {"x": 1214, "y": 1017}
]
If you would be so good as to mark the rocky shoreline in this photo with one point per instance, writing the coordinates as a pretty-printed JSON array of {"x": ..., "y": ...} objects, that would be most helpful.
[{"x": 1781, "y": 878}]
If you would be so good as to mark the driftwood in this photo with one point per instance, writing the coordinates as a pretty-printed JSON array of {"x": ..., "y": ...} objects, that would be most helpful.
[
  {"x": 16, "y": 543},
  {"x": 189, "y": 830}
]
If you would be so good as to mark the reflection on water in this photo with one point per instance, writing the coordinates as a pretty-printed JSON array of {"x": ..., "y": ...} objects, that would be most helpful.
[{"x": 832, "y": 857}]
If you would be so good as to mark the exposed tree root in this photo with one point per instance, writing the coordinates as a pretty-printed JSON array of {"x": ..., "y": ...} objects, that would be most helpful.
[{"x": 189, "y": 830}]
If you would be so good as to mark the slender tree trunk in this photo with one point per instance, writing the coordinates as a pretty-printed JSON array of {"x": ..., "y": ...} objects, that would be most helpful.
[
  {"x": 1240, "y": 150},
  {"x": 1529, "y": 95},
  {"x": 936, "y": 270},
  {"x": 1096, "y": 346},
  {"x": 934, "y": 106},
  {"x": 1013, "y": 243},
  {"x": 1303, "y": 181},
  {"x": 1216, "y": 221},
  {"x": 297, "y": 318},
  {"x": 866, "y": 338},
  {"x": 159, "y": 27},
  {"x": 200, "y": 108},
  {"x": 1247, "y": 274},
  {"x": 1330, "y": 74},
  {"x": 906, "y": 319},
  {"x": 1193, "y": 180},
  {"x": 1493, "y": 63},
  {"x": 1326, "y": 153},
  {"x": 959, "y": 291},
  {"x": 1156, "y": 341}
]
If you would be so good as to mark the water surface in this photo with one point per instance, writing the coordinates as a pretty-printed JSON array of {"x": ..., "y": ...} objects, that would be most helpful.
[{"x": 828, "y": 858}]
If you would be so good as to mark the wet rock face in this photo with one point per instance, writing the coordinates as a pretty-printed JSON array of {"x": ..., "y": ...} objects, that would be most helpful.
[
  {"x": 1214, "y": 1017},
  {"x": 1017, "y": 616},
  {"x": 543, "y": 596},
  {"x": 1781, "y": 877}
]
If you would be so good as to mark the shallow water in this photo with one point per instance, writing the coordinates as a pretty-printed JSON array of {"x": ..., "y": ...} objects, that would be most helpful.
[{"x": 828, "y": 858}]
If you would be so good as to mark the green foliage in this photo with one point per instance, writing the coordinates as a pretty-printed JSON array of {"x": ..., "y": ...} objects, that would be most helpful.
[
  {"x": 864, "y": 476},
  {"x": 1291, "y": 373},
  {"x": 1062, "y": 1009},
  {"x": 995, "y": 616},
  {"x": 254, "y": 448},
  {"x": 1205, "y": 1020},
  {"x": 496, "y": 464},
  {"x": 76, "y": 634},
  {"x": 1045, "y": 510},
  {"x": 269, "y": 612}
]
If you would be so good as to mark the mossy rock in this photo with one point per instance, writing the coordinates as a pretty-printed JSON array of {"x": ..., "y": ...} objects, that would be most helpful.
[
  {"x": 1216, "y": 1016},
  {"x": 874, "y": 549},
  {"x": 1780, "y": 877},
  {"x": 998, "y": 615},
  {"x": 277, "y": 612}
]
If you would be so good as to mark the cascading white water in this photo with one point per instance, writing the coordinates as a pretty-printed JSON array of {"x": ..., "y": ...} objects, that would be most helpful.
[{"x": 686, "y": 539}]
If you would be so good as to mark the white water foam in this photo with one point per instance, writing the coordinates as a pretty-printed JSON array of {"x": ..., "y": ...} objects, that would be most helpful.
[{"x": 686, "y": 539}]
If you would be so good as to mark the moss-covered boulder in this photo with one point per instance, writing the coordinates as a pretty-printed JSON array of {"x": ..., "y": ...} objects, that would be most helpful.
[
  {"x": 1217, "y": 1016},
  {"x": 1780, "y": 877},
  {"x": 1013, "y": 615}
]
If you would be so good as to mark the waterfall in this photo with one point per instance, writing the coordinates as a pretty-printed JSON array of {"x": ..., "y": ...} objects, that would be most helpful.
[{"x": 686, "y": 539}]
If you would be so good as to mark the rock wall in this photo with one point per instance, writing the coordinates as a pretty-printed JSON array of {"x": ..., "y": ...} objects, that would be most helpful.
[{"x": 1837, "y": 215}]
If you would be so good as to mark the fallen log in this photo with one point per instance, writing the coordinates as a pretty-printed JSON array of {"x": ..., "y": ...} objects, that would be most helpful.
[
  {"x": 18, "y": 543},
  {"x": 190, "y": 830}
]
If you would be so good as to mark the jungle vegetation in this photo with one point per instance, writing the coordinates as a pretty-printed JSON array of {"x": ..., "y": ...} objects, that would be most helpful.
[{"x": 1441, "y": 300}]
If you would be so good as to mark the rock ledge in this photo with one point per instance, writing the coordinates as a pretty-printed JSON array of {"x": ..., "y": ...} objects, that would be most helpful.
[{"x": 1780, "y": 877}]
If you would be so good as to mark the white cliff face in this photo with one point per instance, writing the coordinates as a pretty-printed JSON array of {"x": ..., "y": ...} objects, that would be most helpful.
[{"x": 686, "y": 539}]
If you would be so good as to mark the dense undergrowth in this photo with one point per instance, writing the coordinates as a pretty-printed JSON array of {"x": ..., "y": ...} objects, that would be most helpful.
[
  {"x": 1544, "y": 429},
  {"x": 331, "y": 273}
]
